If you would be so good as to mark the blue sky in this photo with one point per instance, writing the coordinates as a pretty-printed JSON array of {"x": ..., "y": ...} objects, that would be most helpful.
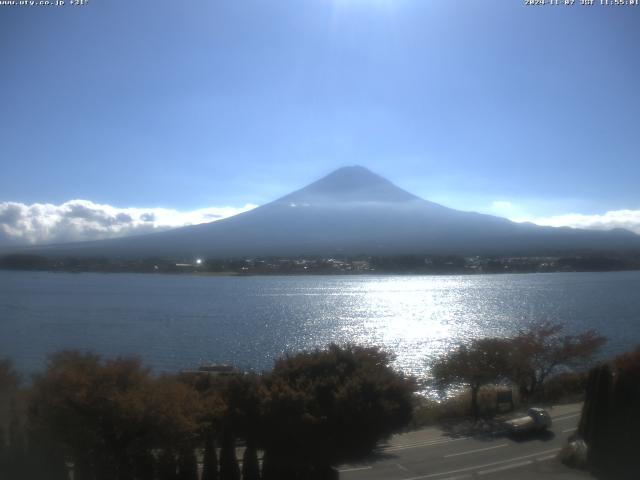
[{"x": 526, "y": 112}]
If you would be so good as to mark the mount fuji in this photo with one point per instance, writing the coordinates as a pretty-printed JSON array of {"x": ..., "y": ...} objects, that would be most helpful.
[{"x": 352, "y": 211}]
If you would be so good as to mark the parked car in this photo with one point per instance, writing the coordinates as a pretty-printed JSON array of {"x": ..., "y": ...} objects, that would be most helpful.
[{"x": 536, "y": 420}]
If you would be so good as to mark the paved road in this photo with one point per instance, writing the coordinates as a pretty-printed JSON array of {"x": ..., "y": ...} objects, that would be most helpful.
[{"x": 430, "y": 454}]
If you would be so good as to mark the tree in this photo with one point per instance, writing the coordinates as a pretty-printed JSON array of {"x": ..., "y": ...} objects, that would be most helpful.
[
  {"x": 542, "y": 350},
  {"x": 187, "y": 464},
  {"x": 108, "y": 416},
  {"x": 624, "y": 424},
  {"x": 210, "y": 460},
  {"x": 610, "y": 421},
  {"x": 46, "y": 458},
  {"x": 330, "y": 406},
  {"x": 94, "y": 408},
  {"x": 229, "y": 469},
  {"x": 3, "y": 454},
  {"x": 16, "y": 464},
  {"x": 167, "y": 465},
  {"x": 13, "y": 445},
  {"x": 144, "y": 464},
  {"x": 231, "y": 408},
  {"x": 9, "y": 383},
  {"x": 9, "y": 378},
  {"x": 630, "y": 363},
  {"x": 598, "y": 440},
  {"x": 483, "y": 361},
  {"x": 250, "y": 465},
  {"x": 176, "y": 411}
]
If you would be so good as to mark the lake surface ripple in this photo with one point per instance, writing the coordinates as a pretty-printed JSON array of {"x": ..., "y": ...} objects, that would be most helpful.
[{"x": 175, "y": 322}]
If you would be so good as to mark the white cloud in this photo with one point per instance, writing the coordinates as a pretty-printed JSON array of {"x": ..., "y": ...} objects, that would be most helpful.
[
  {"x": 78, "y": 220},
  {"x": 628, "y": 219}
]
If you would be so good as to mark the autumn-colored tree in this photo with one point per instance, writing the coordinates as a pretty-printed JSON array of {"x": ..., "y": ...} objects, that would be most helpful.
[
  {"x": 543, "y": 349},
  {"x": 629, "y": 362},
  {"x": 115, "y": 421},
  {"x": 330, "y": 406},
  {"x": 175, "y": 410},
  {"x": 109, "y": 415},
  {"x": 483, "y": 361},
  {"x": 97, "y": 410}
]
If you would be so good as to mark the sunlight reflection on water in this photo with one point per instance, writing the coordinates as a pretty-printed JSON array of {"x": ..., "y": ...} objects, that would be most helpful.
[{"x": 175, "y": 322}]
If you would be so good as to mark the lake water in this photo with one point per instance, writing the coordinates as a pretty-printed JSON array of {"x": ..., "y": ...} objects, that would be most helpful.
[{"x": 176, "y": 322}]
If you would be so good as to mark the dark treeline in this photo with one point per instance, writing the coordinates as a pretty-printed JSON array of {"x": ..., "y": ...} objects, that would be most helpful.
[
  {"x": 340, "y": 264},
  {"x": 610, "y": 422},
  {"x": 113, "y": 420}
]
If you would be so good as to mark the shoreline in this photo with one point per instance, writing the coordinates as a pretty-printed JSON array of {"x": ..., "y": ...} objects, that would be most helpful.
[{"x": 369, "y": 273}]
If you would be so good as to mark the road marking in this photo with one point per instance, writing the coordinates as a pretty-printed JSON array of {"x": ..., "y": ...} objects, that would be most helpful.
[
  {"x": 441, "y": 441},
  {"x": 505, "y": 467},
  {"x": 354, "y": 469},
  {"x": 476, "y": 467},
  {"x": 546, "y": 457},
  {"x": 566, "y": 430},
  {"x": 475, "y": 451},
  {"x": 429, "y": 443},
  {"x": 404, "y": 469},
  {"x": 414, "y": 445}
]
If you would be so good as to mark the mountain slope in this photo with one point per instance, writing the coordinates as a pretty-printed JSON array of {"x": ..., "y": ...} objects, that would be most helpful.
[{"x": 353, "y": 211}]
